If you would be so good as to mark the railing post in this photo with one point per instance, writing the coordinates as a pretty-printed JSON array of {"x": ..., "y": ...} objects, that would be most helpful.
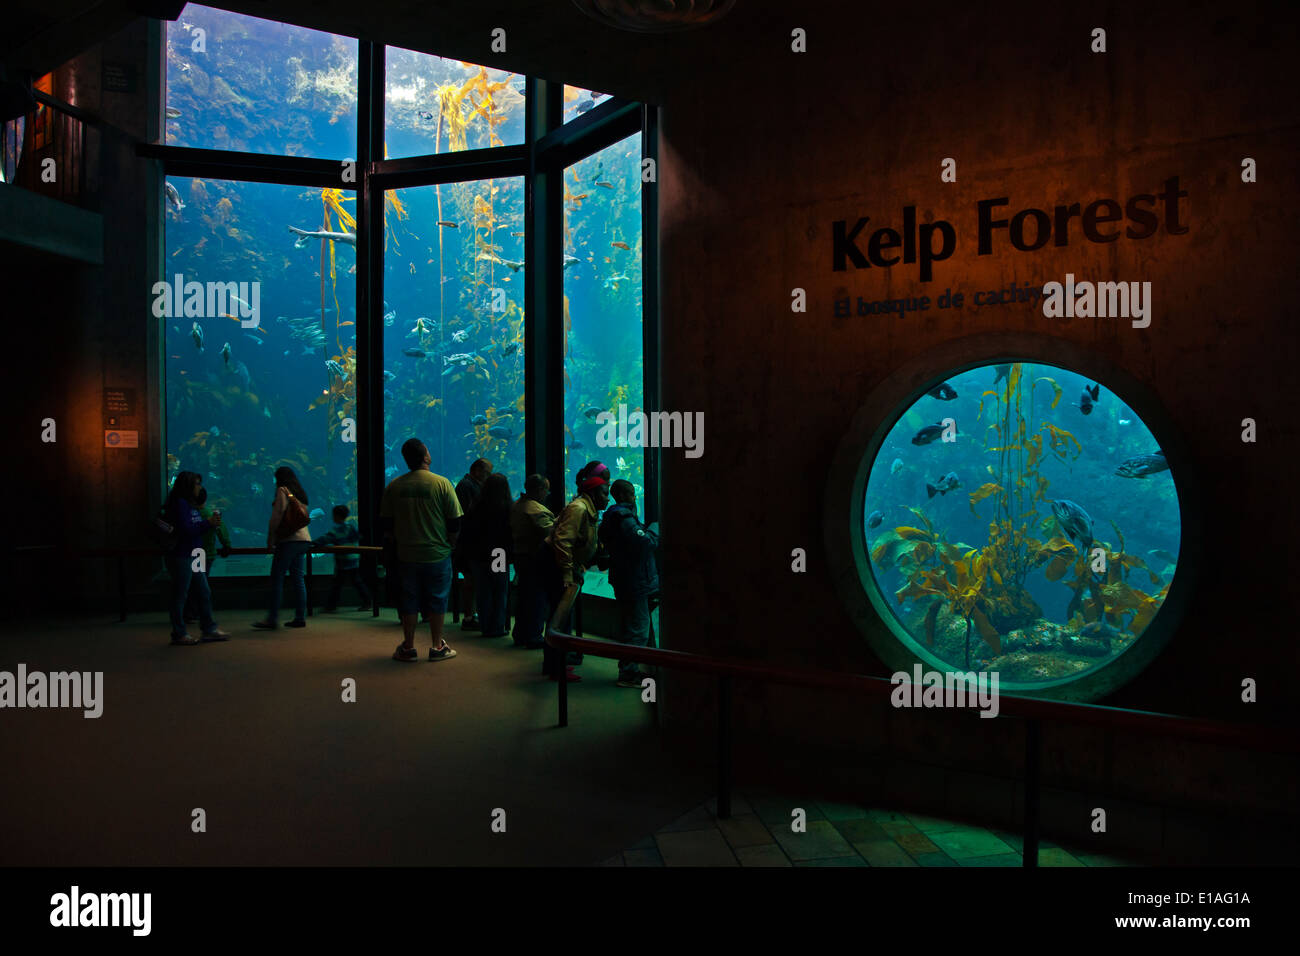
[
  {"x": 563, "y": 681},
  {"x": 121, "y": 588},
  {"x": 1032, "y": 749},
  {"x": 308, "y": 584},
  {"x": 724, "y": 747}
]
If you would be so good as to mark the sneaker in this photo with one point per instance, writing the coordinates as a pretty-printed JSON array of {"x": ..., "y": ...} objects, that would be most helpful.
[
  {"x": 470, "y": 624},
  {"x": 216, "y": 634},
  {"x": 631, "y": 679},
  {"x": 265, "y": 625},
  {"x": 573, "y": 657},
  {"x": 295, "y": 623},
  {"x": 404, "y": 653},
  {"x": 444, "y": 654},
  {"x": 186, "y": 639},
  {"x": 568, "y": 676}
]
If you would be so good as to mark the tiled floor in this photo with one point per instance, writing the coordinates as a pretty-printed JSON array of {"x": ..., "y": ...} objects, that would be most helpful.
[{"x": 759, "y": 833}]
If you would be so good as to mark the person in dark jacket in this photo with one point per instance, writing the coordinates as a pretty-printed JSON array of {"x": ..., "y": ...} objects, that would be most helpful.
[
  {"x": 468, "y": 491},
  {"x": 632, "y": 572},
  {"x": 347, "y": 567},
  {"x": 487, "y": 544},
  {"x": 182, "y": 512},
  {"x": 215, "y": 542}
]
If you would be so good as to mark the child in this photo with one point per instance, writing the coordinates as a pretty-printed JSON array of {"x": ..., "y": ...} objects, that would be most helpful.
[
  {"x": 346, "y": 566},
  {"x": 210, "y": 549},
  {"x": 632, "y": 572}
]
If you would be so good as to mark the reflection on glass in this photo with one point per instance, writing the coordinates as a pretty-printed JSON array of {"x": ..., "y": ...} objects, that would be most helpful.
[
  {"x": 602, "y": 308},
  {"x": 1041, "y": 542},
  {"x": 240, "y": 83},
  {"x": 261, "y": 362},
  {"x": 435, "y": 105},
  {"x": 577, "y": 101},
  {"x": 454, "y": 327}
]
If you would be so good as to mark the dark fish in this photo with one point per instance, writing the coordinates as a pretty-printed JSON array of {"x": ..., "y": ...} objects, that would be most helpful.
[
  {"x": 1002, "y": 372},
  {"x": 943, "y": 391},
  {"x": 425, "y": 115},
  {"x": 510, "y": 350},
  {"x": 501, "y": 431},
  {"x": 576, "y": 444},
  {"x": 591, "y": 411},
  {"x": 1074, "y": 521},
  {"x": 225, "y": 353},
  {"x": 415, "y": 353},
  {"x": 927, "y": 434},
  {"x": 478, "y": 420},
  {"x": 1139, "y": 466},
  {"x": 944, "y": 485},
  {"x": 585, "y": 105},
  {"x": 874, "y": 519},
  {"x": 1099, "y": 631},
  {"x": 1089, "y": 398}
]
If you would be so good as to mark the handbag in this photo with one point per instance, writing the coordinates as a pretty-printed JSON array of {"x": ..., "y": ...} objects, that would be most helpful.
[{"x": 295, "y": 516}]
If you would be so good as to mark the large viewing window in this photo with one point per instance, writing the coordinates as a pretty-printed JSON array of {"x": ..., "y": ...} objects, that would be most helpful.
[{"x": 288, "y": 358}]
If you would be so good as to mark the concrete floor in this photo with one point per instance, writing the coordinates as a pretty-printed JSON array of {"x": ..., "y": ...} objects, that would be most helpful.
[{"x": 254, "y": 732}]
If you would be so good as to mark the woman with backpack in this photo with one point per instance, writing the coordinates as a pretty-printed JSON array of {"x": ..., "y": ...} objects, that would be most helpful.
[
  {"x": 287, "y": 534},
  {"x": 182, "y": 519}
]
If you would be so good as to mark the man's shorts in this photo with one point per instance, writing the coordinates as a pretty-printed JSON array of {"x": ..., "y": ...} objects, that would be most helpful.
[{"x": 425, "y": 587}]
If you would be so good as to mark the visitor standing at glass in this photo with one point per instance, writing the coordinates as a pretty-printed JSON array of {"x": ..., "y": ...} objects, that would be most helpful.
[
  {"x": 569, "y": 550},
  {"x": 530, "y": 523},
  {"x": 632, "y": 572},
  {"x": 468, "y": 491},
  {"x": 287, "y": 534},
  {"x": 487, "y": 543},
  {"x": 181, "y": 510}
]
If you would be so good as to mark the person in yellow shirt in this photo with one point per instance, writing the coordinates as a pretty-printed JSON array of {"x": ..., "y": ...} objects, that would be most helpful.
[
  {"x": 569, "y": 550},
  {"x": 420, "y": 512}
]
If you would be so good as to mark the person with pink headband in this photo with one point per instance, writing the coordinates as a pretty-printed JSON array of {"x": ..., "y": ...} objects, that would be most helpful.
[{"x": 569, "y": 550}]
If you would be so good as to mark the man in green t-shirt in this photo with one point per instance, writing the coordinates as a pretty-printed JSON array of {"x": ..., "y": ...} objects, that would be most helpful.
[{"x": 420, "y": 512}]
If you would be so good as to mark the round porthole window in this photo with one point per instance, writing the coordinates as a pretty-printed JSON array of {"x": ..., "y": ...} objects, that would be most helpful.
[{"x": 1018, "y": 518}]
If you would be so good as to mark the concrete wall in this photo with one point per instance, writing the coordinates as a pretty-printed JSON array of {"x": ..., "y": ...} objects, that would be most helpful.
[{"x": 765, "y": 148}]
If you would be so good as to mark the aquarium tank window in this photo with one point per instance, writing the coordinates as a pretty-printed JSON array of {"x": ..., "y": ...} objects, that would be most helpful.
[
  {"x": 434, "y": 105},
  {"x": 241, "y": 400},
  {"x": 603, "y": 353},
  {"x": 577, "y": 101},
  {"x": 239, "y": 83},
  {"x": 1020, "y": 518},
  {"x": 454, "y": 326}
]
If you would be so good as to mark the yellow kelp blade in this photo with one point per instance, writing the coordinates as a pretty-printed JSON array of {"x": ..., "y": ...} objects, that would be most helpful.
[
  {"x": 982, "y": 492},
  {"x": 987, "y": 631},
  {"x": 913, "y": 534},
  {"x": 1057, "y": 392},
  {"x": 1057, "y": 567},
  {"x": 930, "y": 617}
]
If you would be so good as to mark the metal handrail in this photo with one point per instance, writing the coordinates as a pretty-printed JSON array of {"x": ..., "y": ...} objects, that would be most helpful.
[
  {"x": 1032, "y": 710},
  {"x": 122, "y": 553}
]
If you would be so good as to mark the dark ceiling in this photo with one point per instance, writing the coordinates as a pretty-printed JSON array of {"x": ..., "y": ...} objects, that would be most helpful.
[{"x": 546, "y": 38}]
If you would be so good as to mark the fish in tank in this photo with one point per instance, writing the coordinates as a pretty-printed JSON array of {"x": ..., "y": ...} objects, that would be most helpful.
[
  {"x": 244, "y": 398},
  {"x": 1023, "y": 533}
]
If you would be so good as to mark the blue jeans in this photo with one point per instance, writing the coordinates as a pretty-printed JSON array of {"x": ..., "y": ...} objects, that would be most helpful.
[
  {"x": 492, "y": 590},
  {"x": 425, "y": 587},
  {"x": 636, "y": 627},
  {"x": 289, "y": 556},
  {"x": 530, "y": 603},
  {"x": 183, "y": 578}
]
